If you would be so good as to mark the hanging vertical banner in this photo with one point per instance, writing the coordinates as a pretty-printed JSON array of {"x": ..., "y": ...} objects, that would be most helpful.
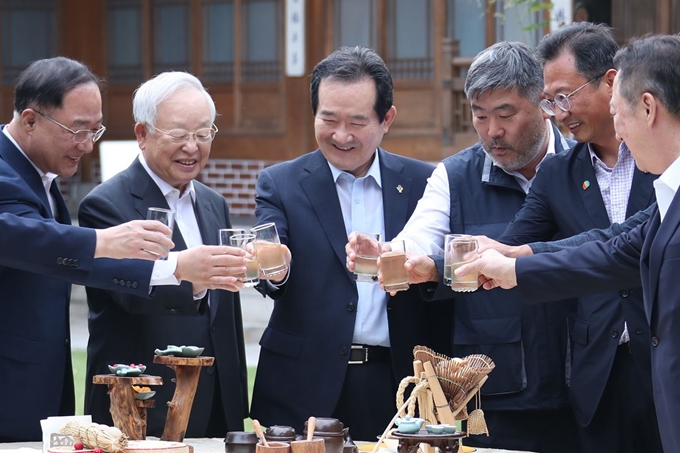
[{"x": 295, "y": 38}]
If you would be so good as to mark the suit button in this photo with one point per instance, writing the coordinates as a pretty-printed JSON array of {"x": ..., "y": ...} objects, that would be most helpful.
[
  {"x": 121, "y": 282},
  {"x": 615, "y": 333},
  {"x": 655, "y": 341},
  {"x": 60, "y": 261},
  {"x": 115, "y": 281},
  {"x": 67, "y": 342},
  {"x": 128, "y": 283},
  {"x": 638, "y": 332},
  {"x": 350, "y": 306},
  {"x": 624, "y": 293},
  {"x": 134, "y": 284},
  {"x": 173, "y": 311},
  {"x": 343, "y": 351},
  {"x": 76, "y": 263}
]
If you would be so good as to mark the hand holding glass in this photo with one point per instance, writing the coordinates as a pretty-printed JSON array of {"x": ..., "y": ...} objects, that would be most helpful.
[
  {"x": 165, "y": 216},
  {"x": 459, "y": 249},
  {"x": 268, "y": 250},
  {"x": 242, "y": 241},
  {"x": 392, "y": 260},
  {"x": 367, "y": 251}
]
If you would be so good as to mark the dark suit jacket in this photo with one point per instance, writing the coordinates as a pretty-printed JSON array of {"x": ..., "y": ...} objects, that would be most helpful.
[
  {"x": 649, "y": 253},
  {"x": 127, "y": 329},
  {"x": 39, "y": 257},
  {"x": 305, "y": 347},
  {"x": 559, "y": 205}
]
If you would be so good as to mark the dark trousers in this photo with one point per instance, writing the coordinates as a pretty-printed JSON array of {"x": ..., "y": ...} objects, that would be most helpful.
[
  {"x": 368, "y": 400},
  {"x": 547, "y": 431},
  {"x": 625, "y": 420}
]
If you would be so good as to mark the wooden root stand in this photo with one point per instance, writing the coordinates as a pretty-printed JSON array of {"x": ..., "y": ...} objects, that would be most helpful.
[{"x": 129, "y": 414}]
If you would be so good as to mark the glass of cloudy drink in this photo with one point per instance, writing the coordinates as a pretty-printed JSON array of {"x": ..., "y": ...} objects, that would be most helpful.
[
  {"x": 459, "y": 249},
  {"x": 367, "y": 251},
  {"x": 268, "y": 250},
  {"x": 392, "y": 260}
]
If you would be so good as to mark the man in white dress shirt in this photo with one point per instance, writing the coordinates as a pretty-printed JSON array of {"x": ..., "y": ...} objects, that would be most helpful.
[{"x": 175, "y": 128}]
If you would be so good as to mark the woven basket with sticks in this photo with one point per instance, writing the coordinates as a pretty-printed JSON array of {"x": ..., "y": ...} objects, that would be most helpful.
[{"x": 457, "y": 377}]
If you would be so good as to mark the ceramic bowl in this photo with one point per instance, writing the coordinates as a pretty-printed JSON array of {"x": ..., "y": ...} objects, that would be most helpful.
[
  {"x": 449, "y": 429},
  {"x": 144, "y": 395},
  {"x": 191, "y": 351},
  {"x": 180, "y": 351},
  {"x": 170, "y": 350},
  {"x": 120, "y": 369},
  {"x": 435, "y": 429}
]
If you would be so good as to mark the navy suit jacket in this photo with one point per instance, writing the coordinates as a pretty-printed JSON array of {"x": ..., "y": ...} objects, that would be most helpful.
[
  {"x": 127, "y": 329},
  {"x": 305, "y": 347},
  {"x": 649, "y": 254},
  {"x": 39, "y": 258},
  {"x": 558, "y": 204}
]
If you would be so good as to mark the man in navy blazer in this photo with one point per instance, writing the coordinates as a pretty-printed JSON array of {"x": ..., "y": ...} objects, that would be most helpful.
[
  {"x": 645, "y": 106},
  {"x": 174, "y": 117},
  {"x": 334, "y": 347},
  {"x": 591, "y": 186},
  {"x": 57, "y": 118}
]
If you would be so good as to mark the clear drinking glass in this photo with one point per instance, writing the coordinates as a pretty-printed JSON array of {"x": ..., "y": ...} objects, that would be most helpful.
[
  {"x": 392, "y": 260},
  {"x": 165, "y": 216},
  {"x": 268, "y": 250},
  {"x": 226, "y": 233},
  {"x": 460, "y": 249},
  {"x": 367, "y": 251},
  {"x": 243, "y": 241}
]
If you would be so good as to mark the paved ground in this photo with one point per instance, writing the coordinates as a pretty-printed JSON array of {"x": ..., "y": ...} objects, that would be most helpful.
[{"x": 256, "y": 311}]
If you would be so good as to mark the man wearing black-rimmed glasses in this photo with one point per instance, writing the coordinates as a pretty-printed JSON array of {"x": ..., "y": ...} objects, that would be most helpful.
[{"x": 591, "y": 186}]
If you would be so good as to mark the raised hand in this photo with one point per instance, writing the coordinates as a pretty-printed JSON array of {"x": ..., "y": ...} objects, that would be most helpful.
[{"x": 141, "y": 239}]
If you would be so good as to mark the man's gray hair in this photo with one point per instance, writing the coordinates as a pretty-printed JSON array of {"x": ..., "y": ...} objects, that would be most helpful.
[
  {"x": 505, "y": 66},
  {"x": 156, "y": 90}
]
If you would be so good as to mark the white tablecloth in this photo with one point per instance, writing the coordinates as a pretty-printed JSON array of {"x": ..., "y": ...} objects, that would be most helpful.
[{"x": 200, "y": 446}]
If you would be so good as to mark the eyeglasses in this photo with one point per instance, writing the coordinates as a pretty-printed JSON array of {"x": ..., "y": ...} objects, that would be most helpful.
[
  {"x": 562, "y": 100},
  {"x": 204, "y": 135},
  {"x": 80, "y": 136}
]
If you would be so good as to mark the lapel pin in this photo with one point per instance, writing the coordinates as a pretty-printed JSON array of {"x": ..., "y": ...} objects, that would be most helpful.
[
  {"x": 586, "y": 184},
  {"x": 400, "y": 188}
]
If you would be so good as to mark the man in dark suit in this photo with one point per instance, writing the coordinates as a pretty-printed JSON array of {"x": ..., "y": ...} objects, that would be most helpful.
[
  {"x": 57, "y": 118},
  {"x": 479, "y": 191},
  {"x": 591, "y": 186},
  {"x": 334, "y": 347},
  {"x": 645, "y": 106},
  {"x": 174, "y": 127}
]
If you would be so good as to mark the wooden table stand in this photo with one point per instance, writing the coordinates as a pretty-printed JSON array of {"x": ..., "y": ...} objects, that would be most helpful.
[
  {"x": 187, "y": 371},
  {"x": 127, "y": 412}
]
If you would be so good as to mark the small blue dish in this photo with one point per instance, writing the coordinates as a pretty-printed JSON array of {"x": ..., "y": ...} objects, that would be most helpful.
[
  {"x": 126, "y": 370},
  {"x": 435, "y": 429}
]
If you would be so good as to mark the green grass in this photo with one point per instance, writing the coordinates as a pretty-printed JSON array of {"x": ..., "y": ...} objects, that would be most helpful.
[{"x": 79, "y": 358}]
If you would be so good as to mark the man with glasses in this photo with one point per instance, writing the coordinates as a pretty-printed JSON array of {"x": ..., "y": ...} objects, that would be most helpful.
[
  {"x": 57, "y": 117},
  {"x": 174, "y": 117},
  {"x": 592, "y": 186}
]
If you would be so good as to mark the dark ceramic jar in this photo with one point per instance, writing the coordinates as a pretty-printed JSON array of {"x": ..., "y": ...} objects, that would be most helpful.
[
  {"x": 331, "y": 431},
  {"x": 240, "y": 442},
  {"x": 278, "y": 433}
]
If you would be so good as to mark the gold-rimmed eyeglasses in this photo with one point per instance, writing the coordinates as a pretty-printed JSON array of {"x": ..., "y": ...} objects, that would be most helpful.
[
  {"x": 80, "y": 136},
  {"x": 203, "y": 135},
  {"x": 562, "y": 100}
]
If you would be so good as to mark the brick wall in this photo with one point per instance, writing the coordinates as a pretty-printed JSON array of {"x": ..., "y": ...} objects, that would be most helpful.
[{"x": 233, "y": 178}]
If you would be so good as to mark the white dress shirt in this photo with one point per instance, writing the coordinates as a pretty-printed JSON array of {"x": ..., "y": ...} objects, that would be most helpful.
[
  {"x": 361, "y": 202},
  {"x": 666, "y": 186},
  {"x": 185, "y": 218},
  {"x": 615, "y": 183},
  {"x": 425, "y": 230}
]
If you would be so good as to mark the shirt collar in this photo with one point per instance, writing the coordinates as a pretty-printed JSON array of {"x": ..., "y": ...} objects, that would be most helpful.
[
  {"x": 666, "y": 186},
  {"x": 46, "y": 178},
  {"x": 167, "y": 189},
  {"x": 373, "y": 171},
  {"x": 595, "y": 159}
]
